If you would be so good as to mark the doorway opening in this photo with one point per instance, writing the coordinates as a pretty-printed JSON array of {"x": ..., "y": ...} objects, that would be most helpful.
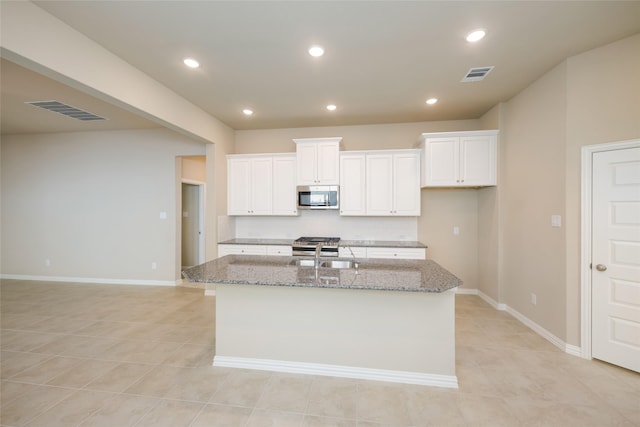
[{"x": 192, "y": 223}]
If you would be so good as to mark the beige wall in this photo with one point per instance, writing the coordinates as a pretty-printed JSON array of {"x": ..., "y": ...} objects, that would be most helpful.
[
  {"x": 533, "y": 190},
  {"x": 443, "y": 209},
  {"x": 489, "y": 218},
  {"x": 365, "y": 137},
  {"x": 603, "y": 105},
  {"x": 194, "y": 168},
  {"x": 37, "y": 40},
  {"x": 590, "y": 98},
  {"x": 90, "y": 202}
]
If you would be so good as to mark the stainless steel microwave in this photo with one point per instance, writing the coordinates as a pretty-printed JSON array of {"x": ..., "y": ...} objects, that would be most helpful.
[{"x": 318, "y": 196}]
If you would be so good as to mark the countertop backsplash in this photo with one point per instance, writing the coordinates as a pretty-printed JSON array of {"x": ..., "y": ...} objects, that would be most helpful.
[{"x": 327, "y": 223}]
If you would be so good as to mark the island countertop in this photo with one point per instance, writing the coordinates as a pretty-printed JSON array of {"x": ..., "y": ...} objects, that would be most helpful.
[{"x": 373, "y": 274}]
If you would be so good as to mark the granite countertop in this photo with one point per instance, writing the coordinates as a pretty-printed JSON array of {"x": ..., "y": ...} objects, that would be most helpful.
[
  {"x": 382, "y": 243},
  {"x": 353, "y": 243},
  {"x": 269, "y": 242},
  {"x": 373, "y": 274}
]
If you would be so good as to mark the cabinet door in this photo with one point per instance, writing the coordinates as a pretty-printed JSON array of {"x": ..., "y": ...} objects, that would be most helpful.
[
  {"x": 307, "y": 162},
  {"x": 328, "y": 156},
  {"x": 478, "y": 160},
  {"x": 441, "y": 162},
  {"x": 262, "y": 184},
  {"x": 352, "y": 184},
  {"x": 379, "y": 184},
  {"x": 239, "y": 187},
  {"x": 284, "y": 185},
  {"x": 406, "y": 184}
]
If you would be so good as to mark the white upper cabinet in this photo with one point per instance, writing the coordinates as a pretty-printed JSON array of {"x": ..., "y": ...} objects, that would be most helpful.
[
  {"x": 249, "y": 185},
  {"x": 393, "y": 183},
  {"x": 284, "y": 185},
  {"x": 261, "y": 185},
  {"x": 352, "y": 183},
  {"x": 406, "y": 183},
  {"x": 318, "y": 161},
  {"x": 459, "y": 159}
]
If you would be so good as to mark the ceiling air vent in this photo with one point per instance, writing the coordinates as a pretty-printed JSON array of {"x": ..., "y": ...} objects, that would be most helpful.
[
  {"x": 476, "y": 74},
  {"x": 66, "y": 110}
]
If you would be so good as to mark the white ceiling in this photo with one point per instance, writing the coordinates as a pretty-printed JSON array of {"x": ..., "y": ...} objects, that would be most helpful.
[{"x": 383, "y": 58}]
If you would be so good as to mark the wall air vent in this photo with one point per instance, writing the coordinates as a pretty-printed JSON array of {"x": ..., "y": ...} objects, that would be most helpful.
[
  {"x": 66, "y": 110},
  {"x": 476, "y": 74}
]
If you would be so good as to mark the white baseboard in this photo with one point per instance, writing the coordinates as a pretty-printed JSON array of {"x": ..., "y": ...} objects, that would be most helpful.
[
  {"x": 567, "y": 348},
  {"x": 102, "y": 281},
  {"x": 435, "y": 380},
  {"x": 574, "y": 350},
  {"x": 464, "y": 291}
]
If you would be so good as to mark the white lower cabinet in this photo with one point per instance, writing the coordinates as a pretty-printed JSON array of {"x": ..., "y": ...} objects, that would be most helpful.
[
  {"x": 396, "y": 253},
  {"x": 383, "y": 253},
  {"x": 276, "y": 250},
  {"x": 358, "y": 252},
  {"x": 343, "y": 252},
  {"x": 279, "y": 250},
  {"x": 241, "y": 250}
]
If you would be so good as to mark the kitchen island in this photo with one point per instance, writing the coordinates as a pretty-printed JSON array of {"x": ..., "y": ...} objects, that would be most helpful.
[{"x": 387, "y": 320}]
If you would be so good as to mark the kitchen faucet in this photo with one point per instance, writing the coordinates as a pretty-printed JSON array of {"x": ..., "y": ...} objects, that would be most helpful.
[{"x": 316, "y": 263}]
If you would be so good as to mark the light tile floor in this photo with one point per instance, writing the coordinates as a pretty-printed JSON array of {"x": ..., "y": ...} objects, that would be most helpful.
[{"x": 116, "y": 356}]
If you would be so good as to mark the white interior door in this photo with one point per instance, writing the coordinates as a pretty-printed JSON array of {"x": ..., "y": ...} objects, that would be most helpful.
[{"x": 616, "y": 257}]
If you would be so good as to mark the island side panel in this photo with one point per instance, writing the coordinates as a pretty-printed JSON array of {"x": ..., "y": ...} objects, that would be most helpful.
[{"x": 398, "y": 331}]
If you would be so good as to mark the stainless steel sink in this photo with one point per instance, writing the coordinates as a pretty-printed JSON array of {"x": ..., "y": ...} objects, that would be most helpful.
[
  {"x": 337, "y": 264},
  {"x": 303, "y": 262}
]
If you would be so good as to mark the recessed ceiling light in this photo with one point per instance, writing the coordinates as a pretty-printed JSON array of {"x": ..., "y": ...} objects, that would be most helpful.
[
  {"x": 331, "y": 107},
  {"x": 476, "y": 35},
  {"x": 247, "y": 112},
  {"x": 316, "y": 51},
  {"x": 432, "y": 101},
  {"x": 191, "y": 63}
]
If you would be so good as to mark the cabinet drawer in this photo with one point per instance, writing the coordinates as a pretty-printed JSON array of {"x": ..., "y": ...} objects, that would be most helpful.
[
  {"x": 241, "y": 250},
  {"x": 397, "y": 253},
  {"x": 279, "y": 250}
]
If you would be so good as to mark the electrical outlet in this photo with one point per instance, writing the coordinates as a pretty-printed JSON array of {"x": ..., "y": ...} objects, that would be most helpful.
[
  {"x": 47, "y": 262},
  {"x": 154, "y": 265},
  {"x": 456, "y": 231},
  {"x": 534, "y": 299}
]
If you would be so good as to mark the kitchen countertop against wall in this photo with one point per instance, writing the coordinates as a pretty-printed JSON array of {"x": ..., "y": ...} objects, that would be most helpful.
[{"x": 353, "y": 243}]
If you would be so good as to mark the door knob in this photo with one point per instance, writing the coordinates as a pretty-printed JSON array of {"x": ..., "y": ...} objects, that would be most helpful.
[{"x": 601, "y": 267}]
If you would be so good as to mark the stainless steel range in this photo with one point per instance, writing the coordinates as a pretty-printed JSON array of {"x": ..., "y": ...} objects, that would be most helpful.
[{"x": 306, "y": 246}]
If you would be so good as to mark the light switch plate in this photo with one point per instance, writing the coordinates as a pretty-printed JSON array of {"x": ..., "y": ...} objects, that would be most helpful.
[
  {"x": 163, "y": 215},
  {"x": 556, "y": 221}
]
